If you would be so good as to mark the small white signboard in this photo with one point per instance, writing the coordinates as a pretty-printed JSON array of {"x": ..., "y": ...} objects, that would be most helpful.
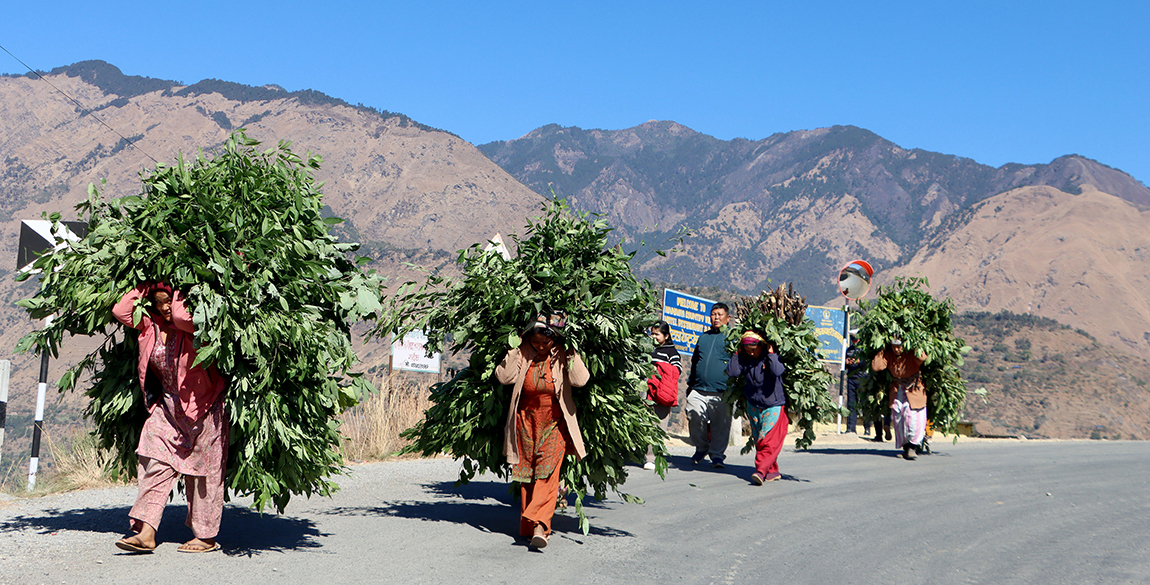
[{"x": 410, "y": 354}]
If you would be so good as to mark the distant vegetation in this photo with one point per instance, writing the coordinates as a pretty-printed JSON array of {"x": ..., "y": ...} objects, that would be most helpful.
[
  {"x": 1005, "y": 323},
  {"x": 111, "y": 80}
]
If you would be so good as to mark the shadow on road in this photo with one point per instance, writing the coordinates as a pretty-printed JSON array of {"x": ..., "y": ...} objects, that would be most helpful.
[
  {"x": 683, "y": 463},
  {"x": 729, "y": 468},
  {"x": 486, "y": 506},
  {"x": 242, "y": 531},
  {"x": 887, "y": 451}
]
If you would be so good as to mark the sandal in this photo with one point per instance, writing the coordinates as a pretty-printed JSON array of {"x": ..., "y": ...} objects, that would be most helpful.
[
  {"x": 133, "y": 547},
  {"x": 202, "y": 547},
  {"x": 539, "y": 539}
]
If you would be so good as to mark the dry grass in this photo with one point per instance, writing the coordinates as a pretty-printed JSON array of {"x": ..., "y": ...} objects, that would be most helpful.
[
  {"x": 73, "y": 463},
  {"x": 371, "y": 432},
  {"x": 372, "y": 428},
  {"x": 78, "y": 464}
]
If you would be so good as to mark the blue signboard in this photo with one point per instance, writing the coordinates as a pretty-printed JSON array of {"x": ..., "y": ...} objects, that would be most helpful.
[
  {"x": 830, "y": 328},
  {"x": 688, "y": 317}
]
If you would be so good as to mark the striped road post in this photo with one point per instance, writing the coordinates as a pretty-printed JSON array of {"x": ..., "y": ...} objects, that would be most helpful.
[
  {"x": 38, "y": 425},
  {"x": 5, "y": 371}
]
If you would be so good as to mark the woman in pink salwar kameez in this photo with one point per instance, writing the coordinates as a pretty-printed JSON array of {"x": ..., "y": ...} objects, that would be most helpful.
[{"x": 186, "y": 432}]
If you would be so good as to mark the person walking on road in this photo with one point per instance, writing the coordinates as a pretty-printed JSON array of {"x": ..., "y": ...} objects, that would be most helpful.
[
  {"x": 186, "y": 431},
  {"x": 663, "y": 386},
  {"x": 708, "y": 417},
  {"x": 541, "y": 426},
  {"x": 907, "y": 395},
  {"x": 761, "y": 372}
]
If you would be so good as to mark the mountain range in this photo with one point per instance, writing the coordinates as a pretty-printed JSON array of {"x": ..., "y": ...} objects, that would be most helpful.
[
  {"x": 790, "y": 207},
  {"x": 1065, "y": 240}
]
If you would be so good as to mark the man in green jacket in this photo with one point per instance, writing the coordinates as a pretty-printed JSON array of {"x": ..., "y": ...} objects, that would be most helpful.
[{"x": 705, "y": 408}]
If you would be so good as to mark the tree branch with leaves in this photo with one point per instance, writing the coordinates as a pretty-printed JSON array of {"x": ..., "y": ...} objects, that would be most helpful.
[{"x": 273, "y": 298}]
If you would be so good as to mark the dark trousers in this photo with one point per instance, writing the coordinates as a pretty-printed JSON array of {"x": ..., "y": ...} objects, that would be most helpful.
[{"x": 852, "y": 418}]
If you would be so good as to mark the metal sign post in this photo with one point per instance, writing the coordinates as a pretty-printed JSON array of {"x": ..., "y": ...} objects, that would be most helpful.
[
  {"x": 854, "y": 282},
  {"x": 843, "y": 365}
]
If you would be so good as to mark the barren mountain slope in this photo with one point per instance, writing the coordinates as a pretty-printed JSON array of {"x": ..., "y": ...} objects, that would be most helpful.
[
  {"x": 1079, "y": 259},
  {"x": 1049, "y": 380},
  {"x": 754, "y": 243},
  {"x": 413, "y": 193},
  {"x": 401, "y": 184}
]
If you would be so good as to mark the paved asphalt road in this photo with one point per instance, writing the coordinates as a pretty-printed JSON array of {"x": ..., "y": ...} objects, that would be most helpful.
[{"x": 1004, "y": 511}]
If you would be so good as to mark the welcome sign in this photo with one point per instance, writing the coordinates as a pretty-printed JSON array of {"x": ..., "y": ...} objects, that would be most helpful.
[{"x": 689, "y": 316}]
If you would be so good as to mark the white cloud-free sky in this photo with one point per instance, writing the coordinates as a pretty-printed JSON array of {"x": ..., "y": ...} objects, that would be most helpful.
[{"x": 997, "y": 82}]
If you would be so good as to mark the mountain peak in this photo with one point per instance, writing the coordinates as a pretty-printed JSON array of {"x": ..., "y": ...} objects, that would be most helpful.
[
  {"x": 1070, "y": 172},
  {"x": 111, "y": 80}
]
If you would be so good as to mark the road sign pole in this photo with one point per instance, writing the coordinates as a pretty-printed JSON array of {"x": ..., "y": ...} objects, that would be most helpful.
[
  {"x": 843, "y": 365},
  {"x": 38, "y": 424}
]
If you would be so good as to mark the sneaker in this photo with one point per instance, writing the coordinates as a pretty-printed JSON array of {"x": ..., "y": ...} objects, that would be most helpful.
[
  {"x": 697, "y": 459},
  {"x": 773, "y": 476},
  {"x": 717, "y": 464},
  {"x": 906, "y": 453},
  {"x": 756, "y": 479},
  {"x": 649, "y": 466}
]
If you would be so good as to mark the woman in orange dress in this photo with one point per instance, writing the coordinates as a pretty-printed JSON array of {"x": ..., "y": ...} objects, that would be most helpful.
[{"x": 541, "y": 427}]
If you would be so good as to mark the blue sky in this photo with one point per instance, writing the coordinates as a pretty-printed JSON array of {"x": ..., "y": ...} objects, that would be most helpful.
[{"x": 996, "y": 82}]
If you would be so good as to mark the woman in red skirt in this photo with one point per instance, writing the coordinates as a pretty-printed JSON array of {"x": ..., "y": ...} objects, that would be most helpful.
[{"x": 541, "y": 426}]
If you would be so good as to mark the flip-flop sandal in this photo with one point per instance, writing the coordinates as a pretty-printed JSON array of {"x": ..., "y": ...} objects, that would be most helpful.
[
  {"x": 214, "y": 547},
  {"x": 134, "y": 548}
]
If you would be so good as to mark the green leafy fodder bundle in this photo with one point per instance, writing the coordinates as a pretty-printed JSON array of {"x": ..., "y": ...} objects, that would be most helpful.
[
  {"x": 564, "y": 263},
  {"x": 779, "y": 316},
  {"x": 906, "y": 311},
  {"x": 272, "y": 294}
]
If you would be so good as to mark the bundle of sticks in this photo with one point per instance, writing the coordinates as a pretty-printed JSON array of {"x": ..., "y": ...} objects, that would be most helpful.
[{"x": 785, "y": 304}]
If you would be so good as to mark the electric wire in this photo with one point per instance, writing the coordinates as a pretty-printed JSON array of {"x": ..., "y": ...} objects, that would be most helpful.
[{"x": 79, "y": 105}]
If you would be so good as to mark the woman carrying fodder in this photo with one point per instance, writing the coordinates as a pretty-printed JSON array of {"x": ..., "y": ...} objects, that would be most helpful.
[
  {"x": 779, "y": 317},
  {"x": 541, "y": 424},
  {"x": 564, "y": 264},
  {"x": 905, "y": 327}
]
